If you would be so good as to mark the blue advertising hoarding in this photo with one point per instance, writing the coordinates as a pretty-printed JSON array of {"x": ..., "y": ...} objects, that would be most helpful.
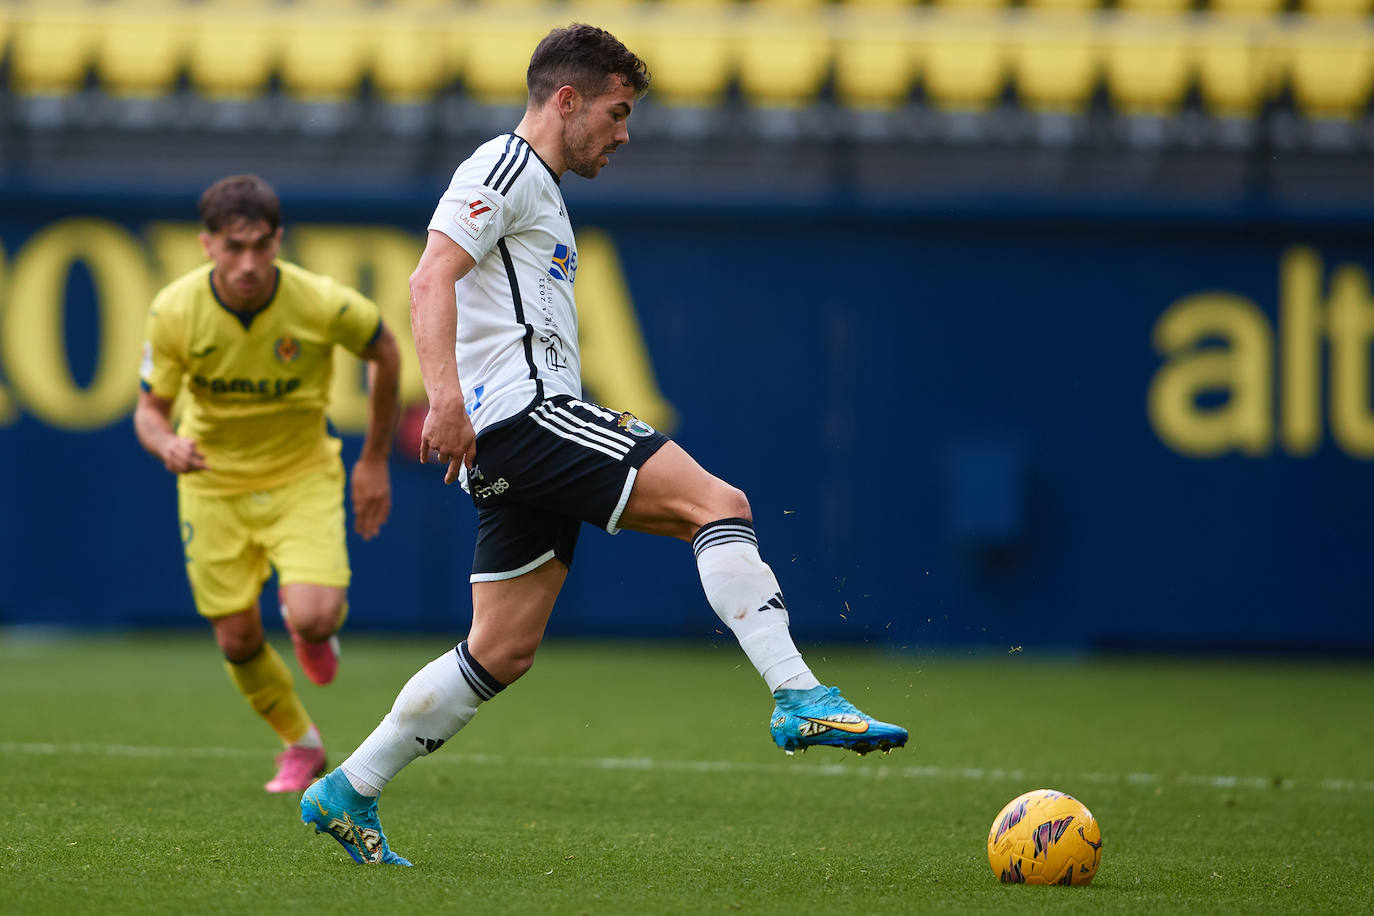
[{"x": 1039, "y": 432}]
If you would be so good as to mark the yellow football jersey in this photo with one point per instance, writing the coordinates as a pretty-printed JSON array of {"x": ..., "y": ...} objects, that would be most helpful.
[{"x": 256, "y": 384}]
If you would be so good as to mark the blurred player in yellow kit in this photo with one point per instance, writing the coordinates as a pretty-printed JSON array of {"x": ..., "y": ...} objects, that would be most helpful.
[{"x": 259, "y": 479}]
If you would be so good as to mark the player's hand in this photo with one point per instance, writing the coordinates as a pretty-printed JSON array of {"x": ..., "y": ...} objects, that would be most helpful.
[
  {"x": 448, "y": 436},
  {"x": 371, "y": 496},
  {"x": 182, "y": 456}
]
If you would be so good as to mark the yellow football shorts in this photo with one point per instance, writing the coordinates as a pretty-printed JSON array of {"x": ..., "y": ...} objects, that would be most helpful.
[{"x": 232, "y": 542}]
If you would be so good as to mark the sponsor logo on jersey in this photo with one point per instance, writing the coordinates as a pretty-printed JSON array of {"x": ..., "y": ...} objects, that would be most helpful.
[
  {"x": 287, "y": 349},
  {"x": 266, "y": 387},
  {"x": 475, "y": 213},
  {"x": 145, "y": 365},
  {"x": 564, "y": 264},
  {"x": 634, "y": 426}
]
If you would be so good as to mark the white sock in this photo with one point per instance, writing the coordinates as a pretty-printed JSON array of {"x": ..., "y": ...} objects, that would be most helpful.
[
  {"x": 431, "y": 708},
  {"x": 746, "y": 597},
  {"x": 310, "y": 739}
]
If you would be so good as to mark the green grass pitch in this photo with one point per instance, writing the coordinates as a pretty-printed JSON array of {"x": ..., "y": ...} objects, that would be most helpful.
[{"x": 639, "y": 778}]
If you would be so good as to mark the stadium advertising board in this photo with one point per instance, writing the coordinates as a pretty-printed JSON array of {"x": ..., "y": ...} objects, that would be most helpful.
[{"x": 992, "y": 434}]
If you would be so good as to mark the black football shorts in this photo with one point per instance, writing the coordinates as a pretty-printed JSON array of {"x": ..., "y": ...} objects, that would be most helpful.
[{"x": 538, "y": 475}]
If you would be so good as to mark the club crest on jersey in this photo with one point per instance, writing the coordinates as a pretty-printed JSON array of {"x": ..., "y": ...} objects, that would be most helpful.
[
  {"x": 287, "y": 349},
  {"x": 475, "y": 213},
  {"x": 633, "y": 425},
  {"x": 564, "y": 264}
]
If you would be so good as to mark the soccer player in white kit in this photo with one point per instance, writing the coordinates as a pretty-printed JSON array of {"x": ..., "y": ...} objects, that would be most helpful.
[{"x": 495, "y": 328}]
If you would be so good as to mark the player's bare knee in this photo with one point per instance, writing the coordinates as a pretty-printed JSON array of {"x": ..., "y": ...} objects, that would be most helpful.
[
  {"x": 238, "y": 647},
  {"x": 734, "y": 504}
]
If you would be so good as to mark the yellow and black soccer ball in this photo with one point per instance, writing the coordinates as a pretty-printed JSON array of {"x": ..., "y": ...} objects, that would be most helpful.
[{"x": 1045, "y": 837}]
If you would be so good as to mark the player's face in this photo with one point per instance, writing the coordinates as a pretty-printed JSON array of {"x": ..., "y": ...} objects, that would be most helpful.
[
  {"x": 243, "y": 253},
  {"x": 598, "y": 128}
]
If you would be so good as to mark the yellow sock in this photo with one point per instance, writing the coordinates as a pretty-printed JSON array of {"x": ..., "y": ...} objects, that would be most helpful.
[{"x": 266, "y": 681}]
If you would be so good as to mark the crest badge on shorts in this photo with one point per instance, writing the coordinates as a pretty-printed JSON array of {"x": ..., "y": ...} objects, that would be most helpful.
[{"x": 633, "y": 425}]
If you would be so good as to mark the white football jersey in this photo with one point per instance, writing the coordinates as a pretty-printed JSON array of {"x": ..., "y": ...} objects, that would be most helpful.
[{"x": 517, "y": 321}]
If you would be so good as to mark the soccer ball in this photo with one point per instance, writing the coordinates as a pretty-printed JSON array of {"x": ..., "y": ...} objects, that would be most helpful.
[{"x": 1044, "y": 837}]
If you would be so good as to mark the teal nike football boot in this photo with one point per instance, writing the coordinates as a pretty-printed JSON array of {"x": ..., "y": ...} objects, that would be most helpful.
[
  {"x": 820, "y": 715},
  {"x": 334, "y": 807}
]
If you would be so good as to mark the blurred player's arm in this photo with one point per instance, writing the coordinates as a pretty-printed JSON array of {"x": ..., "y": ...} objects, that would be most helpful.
[
  {"x": 153, "y": 425},
  {"x": 434, "y": 325},
  {"x": 371, "y": 480}
]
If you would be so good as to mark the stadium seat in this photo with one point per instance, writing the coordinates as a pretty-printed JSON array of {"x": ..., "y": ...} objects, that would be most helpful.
[
  {"x": 963, "y": 62},
  {"x": 1252, "y": 9},
  {"x": 690, "y": 59},
  {"x": 141, "y": 54},
  {"x": 409, "y": 63},
  {"x": 494, "y": 49},
  {"x": 1331, "y": 70},
  {"x": 1230, "y": 68},
  {"x": 875, "y": 63},
  {"x": 974, "y": 5},
  {"x": 782, "y": 60},
  {"x": 1055, "y": 60},
  {"x": 233, "y": 56},
  {"x": 323, "y": 56},
  {"x": 1154, "y": 7},
  {"x": 1337, "y": 9},
  {"x": 1064, "y": 6},
  {"x": 50, "y": 51},
  {"x": 1147, "y": 66}
]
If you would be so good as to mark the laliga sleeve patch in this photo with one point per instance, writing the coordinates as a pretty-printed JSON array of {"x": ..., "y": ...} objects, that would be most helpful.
[
  {"x": 476, "y": 212},
  {"x": 145, "y": 365}
]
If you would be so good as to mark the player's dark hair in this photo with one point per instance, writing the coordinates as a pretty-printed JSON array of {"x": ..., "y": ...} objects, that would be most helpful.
[
  {"x": 239, "y": 197},
  {"x": 582, "y": 56}
]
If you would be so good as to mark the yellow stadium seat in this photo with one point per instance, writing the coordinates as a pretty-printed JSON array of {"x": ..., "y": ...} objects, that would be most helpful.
[
  {"x": 323, "y": 56},
  {"x": 1331, "y": 71},
  {"x": 963, "y": 63},
  {"x": 233, "y": 56},
  {"x": 1231, "y": 70},
  {"x": 50, "y": 51},
  {"x": 1064, "y": 6},
  {"x": 1337, "y": 9},
  {"x": 875, "y": 63},
  {"x": 1254, "y": 9},
  {"x": 782, "y": 60},
  {"x": 1147, "y": 66},
  {"x": 1155, "y": 7},
  {"x": 878, "y": 4},
  {"x": 409, "y": 63},
  {"x": 495, "y": 52},
  {"x": 141, "y": 55},
  {"x": 690, "y": 60},
  {"x": 1056, "y": 61},
  {"x": 974, "y": 5}
]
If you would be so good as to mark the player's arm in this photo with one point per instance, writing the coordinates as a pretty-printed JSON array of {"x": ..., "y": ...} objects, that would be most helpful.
[
  {"x": 434, "y": 325},
  {"x": 371, "y": 480},
  {"x": 153, "y": 425}
]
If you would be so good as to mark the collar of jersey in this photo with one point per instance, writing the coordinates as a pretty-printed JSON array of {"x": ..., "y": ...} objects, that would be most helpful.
[
  {"x": 246, "y": 318},
  {"x": 556, "y": 179}
]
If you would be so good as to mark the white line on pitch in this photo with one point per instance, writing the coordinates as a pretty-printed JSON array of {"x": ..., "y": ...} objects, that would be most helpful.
[{"x": 851, "y": 768}]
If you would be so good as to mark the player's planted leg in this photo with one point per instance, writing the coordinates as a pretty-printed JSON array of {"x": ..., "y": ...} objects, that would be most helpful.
[{"x": 432, "y": 707}]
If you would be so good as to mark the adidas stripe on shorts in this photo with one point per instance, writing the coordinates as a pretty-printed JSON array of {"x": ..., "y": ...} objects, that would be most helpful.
[{"x": 537, "y": 476}]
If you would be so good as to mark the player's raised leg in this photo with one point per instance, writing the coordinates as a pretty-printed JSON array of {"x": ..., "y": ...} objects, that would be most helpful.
[
  {"x": 674, "y": 496},
  {"x": 264, "y": 680},
  {"x": 508, "y": 620}
]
